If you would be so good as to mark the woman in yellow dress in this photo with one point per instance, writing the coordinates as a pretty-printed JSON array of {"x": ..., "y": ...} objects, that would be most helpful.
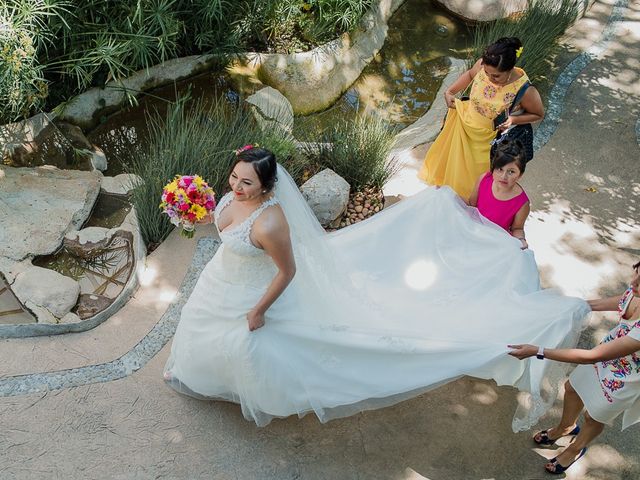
[{"x": 460, "y": 153}]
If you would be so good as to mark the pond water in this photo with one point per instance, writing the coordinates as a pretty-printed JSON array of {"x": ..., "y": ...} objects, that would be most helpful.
[
  {"x": 109, "y": 211},
  {"x": 404, "y": 77},
  {"x": 119, "y": 134},
  {"x": 102, "y": 274},
  {"x": 400, "y": 84}
]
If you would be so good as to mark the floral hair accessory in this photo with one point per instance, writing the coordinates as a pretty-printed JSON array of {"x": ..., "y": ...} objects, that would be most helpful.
[
  {"x": 519, "y": 52},
  {"x": 245, "y": 148}
]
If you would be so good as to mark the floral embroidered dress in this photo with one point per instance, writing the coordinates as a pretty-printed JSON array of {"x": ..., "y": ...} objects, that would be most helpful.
[
  {"x": 612, "y": 387},
  {"x": 460, "y": 153}
]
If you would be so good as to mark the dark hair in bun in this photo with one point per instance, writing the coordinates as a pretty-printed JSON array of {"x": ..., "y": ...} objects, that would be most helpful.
[
  {"x": 508, "y": 151},
  {"x": 264, "y": 164},
  {"x": 501, "y": 54}
]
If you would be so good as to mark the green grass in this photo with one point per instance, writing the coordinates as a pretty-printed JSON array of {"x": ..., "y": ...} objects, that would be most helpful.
[
  {"x": 194, "y": 139},
  {"x": 357, "y": 150},
  {"x": 539, "y": 29}
]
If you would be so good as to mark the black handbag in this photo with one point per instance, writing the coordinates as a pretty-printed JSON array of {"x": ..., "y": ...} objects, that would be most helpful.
[{"x": 523, "y": 133}]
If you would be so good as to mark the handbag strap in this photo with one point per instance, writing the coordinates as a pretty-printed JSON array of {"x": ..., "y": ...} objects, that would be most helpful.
[{"x": 519, "y": 95}]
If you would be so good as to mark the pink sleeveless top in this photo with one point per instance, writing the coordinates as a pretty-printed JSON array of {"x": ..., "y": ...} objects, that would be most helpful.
[{"x": 500, "y": 212}]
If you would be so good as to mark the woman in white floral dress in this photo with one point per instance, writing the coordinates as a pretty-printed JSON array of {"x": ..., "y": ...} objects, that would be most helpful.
[{"x": 606, "y": 383}]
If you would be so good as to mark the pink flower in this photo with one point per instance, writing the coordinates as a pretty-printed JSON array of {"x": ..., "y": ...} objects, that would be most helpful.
[{"x": 183, "y": 207}]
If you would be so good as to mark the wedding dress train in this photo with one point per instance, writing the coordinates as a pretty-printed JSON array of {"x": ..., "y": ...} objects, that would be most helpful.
[{"x": 420, "y": 294}]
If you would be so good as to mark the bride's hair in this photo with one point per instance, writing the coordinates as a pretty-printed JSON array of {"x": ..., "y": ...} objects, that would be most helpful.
[
  {"x": 264, "y": 163},
  {"x": 508, "y": 151}
]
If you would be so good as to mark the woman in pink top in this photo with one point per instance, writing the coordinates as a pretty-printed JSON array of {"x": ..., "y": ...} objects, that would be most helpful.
[{"x": 497, "y": 194}]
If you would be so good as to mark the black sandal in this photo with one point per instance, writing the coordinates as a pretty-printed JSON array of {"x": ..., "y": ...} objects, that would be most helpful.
[
  {"x": 558, "y": 469},
  {"x": 545, "y": 440}
]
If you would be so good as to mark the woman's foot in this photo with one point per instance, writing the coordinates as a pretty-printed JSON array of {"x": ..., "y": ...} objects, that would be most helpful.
[
  {"x": 563, "y": 461},
  {"x": 167, "y": 376},
  {"x": 549, "y": 437}
]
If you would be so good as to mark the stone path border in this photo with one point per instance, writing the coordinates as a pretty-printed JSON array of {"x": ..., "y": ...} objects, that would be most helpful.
[
  {"x": 559, "y": 91},
  {"x": 131, "y": 361}
]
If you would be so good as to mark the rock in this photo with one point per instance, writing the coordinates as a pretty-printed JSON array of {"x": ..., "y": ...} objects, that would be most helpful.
[
  {"x": 10, "y": 269},
  {"x": 47, "y": 289},
  {"x": 271, "y": 109},
  {"x": 61, "y": 145},
  {"x": 314, "y": 80},
  {"x": 87, "y": 242},
  {"x": 120, "y": 184},
  {"x": 38, "y": 206},
  {"x": 327, "y": 193},
  {"x": 70, "y": 318},
  {"x": 42, "y": 314},
  {"x": 91, "y": 304},
  {"x": 483, "y": 10},
  {"x": 24, "y": 132},
  {"x": 98, "y": 159}
]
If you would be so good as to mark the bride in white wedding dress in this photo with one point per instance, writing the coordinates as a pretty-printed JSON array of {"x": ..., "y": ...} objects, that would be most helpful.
[{"x": 286, "y": 319}]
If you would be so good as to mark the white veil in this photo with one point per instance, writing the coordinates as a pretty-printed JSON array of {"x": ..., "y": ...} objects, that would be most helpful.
[{"x": 379, "y": 339}]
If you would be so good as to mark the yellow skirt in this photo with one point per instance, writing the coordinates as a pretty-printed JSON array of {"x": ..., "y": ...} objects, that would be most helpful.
[{"x": 460, "y": 153}]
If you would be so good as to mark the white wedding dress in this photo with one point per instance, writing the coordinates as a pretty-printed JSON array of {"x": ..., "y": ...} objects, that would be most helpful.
[{"x": 420, "y": 294}]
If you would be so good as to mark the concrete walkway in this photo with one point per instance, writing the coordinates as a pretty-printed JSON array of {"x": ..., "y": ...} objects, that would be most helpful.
[{"x": 120, "y": 421}]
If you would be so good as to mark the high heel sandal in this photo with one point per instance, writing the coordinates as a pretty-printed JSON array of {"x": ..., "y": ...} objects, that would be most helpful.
[
  {"x": 558, "y": 469},
  {"x": 545, "y": 440}
]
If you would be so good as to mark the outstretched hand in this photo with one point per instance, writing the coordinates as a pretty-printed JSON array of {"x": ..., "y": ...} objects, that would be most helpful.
[{"x": 522, "y": 351}]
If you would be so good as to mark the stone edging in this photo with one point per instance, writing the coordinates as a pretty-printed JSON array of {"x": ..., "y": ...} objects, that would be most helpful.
[
  {"x": 131, "y": 361},
  {"x": 24, "y": 330},
  {"x": 559, "y": 91}
]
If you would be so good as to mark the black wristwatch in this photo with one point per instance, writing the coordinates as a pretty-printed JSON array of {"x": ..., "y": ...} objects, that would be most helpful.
[{"x": 540, "y": 354}]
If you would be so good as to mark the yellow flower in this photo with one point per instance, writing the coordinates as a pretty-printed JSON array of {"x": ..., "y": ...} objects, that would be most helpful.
[
  {"x": 519, "y": 52},
  {"x": 198, "y": 181},
  {"x": 172, "y": 186},
  {"x": 199, "y": 211}
]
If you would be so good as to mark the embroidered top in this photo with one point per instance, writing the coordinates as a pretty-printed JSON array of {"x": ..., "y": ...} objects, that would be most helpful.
[
  {"x": 620, "y": 377},
  {"x": 243, "y": 262},
  {"x": 489, "y": 99},
  {"x": 500, "y": 212}
]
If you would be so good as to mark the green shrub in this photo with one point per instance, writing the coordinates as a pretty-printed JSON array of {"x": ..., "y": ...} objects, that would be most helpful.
[
  {"x": 22, "y": 85},
  {"x": 194, "y": 139},
  {"x": 539, "y": 29},
  {"x": 72, "y": 45},
  {"x": 357, "y": 150}
]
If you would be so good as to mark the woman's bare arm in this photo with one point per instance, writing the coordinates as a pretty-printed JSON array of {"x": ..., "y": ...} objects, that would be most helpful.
[
  {"x": 271, "y": 233},
  {"x": 618, "y": 348}
]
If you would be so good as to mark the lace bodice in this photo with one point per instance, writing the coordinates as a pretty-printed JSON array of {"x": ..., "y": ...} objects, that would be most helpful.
[{"x": 242, "y": 261}]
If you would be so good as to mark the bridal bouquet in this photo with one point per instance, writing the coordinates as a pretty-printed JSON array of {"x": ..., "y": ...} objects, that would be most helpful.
[{"x": 186, "y": 200}]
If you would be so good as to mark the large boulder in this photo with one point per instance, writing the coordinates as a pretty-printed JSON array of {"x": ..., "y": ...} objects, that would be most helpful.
[
  {"x": 327, "y": 193},
  {"x": 120, "y": 184},
  {"x": 271, "y": 109},
  {"x": 483, "y": 10},
  {"x": 46, "y": 289},
  {"x": 39, "y": 206},
  {"x": 314, "y": 80}
]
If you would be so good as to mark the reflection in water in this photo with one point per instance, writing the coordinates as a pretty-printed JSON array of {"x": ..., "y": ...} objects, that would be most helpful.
[
  {"x": 401, "y": 82},
  {"x": 109, "y": 211},
  {"x": 102, "y": 272},
  {"x": 121, "y": 135}
]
